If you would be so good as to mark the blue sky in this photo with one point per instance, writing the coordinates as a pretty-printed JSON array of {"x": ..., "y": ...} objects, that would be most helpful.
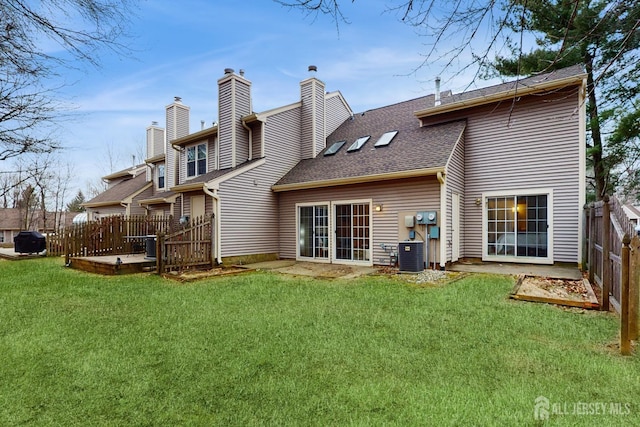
[{"x": 182, "y": 48}]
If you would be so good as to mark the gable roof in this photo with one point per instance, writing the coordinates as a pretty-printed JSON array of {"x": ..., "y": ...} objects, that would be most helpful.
[
  {"x": 126, "y": 173},
  {"x": 632, "y": 212},
  {"x": 415, "y": 150},
  {"x": 120, "y": 191},
  {"x": 569, "y": 76}
]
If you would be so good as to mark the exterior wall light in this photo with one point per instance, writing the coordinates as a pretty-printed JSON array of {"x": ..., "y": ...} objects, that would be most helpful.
[
  {"x": 478, "y": 201},
  {"x": 378, "y": 207}
]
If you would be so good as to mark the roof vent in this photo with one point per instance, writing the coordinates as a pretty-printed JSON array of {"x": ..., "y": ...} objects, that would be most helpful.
[
  {"x": 228, "y": 70},
  {"x": 437, "y": 101}
]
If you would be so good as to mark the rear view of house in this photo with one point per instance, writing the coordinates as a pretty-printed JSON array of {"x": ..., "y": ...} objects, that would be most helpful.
[{"x": 496, "y": 173}]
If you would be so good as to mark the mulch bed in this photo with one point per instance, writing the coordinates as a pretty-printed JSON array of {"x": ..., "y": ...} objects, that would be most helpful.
[{"x": 573, "y": 293}]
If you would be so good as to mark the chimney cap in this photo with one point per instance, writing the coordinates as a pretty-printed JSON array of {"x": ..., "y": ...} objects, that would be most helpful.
[
  {"x": 313, "y": 68},
  {"x": 154, "y": 123},
  {"x": 228, "y": 71},
  {"x": 241, "y": 72},
  {"x": 177, "y": 99}
]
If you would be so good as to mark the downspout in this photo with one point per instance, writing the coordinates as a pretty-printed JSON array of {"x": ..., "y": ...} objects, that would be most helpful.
[
  {"x": 216, "y": 222},
  {"x": 244, "y": 125},
  {"x": 443, "y": 219}
]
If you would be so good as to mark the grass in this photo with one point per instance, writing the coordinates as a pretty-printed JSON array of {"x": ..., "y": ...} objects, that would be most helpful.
[{"x": 261, "y": 348}]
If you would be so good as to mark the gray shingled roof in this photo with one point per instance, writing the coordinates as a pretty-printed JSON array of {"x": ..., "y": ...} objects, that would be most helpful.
[
  {"x": 560, "y": 74},
  {"x": 120, "y": 191},
  {"x": 413, "y": 148},
  {"x": 214, "y": 174}
]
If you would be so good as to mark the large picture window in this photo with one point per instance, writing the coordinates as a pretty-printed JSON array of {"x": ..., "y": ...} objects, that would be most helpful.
[
  {"x": 196, "y": 160},
  {"x": 518, "y": 226}
]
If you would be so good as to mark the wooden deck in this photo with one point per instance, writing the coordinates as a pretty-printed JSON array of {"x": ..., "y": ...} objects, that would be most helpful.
[
  {"x": 10, "y": 254},
  {"x": 109, "y": 264}
]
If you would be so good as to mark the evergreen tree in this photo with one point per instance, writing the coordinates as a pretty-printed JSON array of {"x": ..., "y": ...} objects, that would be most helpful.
[
  {"x": 75, "y": 205},
  {"x": 604, "y": 37}
]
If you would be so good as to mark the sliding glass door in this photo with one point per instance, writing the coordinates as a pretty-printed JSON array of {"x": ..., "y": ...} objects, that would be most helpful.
[
  {"x": 313, "y": 231},
  {"x": 352, "y": 225},
  {"x": 518, "y": 226}
]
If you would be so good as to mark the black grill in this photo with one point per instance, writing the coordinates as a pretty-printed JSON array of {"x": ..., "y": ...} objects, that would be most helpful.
[{"x": 29, "y": 242}]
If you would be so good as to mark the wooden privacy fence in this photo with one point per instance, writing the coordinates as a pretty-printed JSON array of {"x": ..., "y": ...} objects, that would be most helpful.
[
  {"x": 111, "y": 235},
  {"x": 613, "y": 262},
  {"x": 187, "y": 248}
]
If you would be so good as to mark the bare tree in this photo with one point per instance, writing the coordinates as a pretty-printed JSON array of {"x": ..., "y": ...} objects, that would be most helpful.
[
  {"x": 602, "y": 35},
  {"x": 28, "y": 105}
]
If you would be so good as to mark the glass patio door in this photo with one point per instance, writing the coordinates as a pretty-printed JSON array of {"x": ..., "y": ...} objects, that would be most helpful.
[
  {"x": 517, "y": 226},
  {"x": 352, "y": 231},
  {"x": 313, "y": 231}
]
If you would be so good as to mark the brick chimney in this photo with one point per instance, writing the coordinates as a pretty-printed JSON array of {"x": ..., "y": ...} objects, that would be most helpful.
[
  {"x": 312, "y": 96},
  {"x": 234, "y": 102}
]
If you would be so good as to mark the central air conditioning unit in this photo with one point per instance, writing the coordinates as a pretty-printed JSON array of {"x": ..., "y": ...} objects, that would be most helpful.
[{"x": 411, "y": 256}]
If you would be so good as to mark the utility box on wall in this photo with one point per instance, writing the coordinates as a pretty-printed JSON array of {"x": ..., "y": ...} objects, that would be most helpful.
[
  {"x": 411, "y": 256},
  {"x": 427, "y": 218}
]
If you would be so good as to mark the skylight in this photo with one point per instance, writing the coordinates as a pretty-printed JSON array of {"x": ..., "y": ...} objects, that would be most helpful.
[
  {"x": 386, "y": 138},
  {"x": 359, "y": 143},
  {"x": 334, "y": 148}
]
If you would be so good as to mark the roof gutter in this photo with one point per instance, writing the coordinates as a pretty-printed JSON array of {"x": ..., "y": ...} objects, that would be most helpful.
[{"x": 358, "y": 179}]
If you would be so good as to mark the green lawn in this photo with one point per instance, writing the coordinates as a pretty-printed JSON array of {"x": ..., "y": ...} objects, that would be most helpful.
[{"x": 261, "y": 348}]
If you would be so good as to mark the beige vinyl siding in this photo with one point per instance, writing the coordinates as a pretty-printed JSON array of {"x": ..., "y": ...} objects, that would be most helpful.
[
  {"x": 177, "y": 116},
  {"x": 313, "y": 118},
  {"x": 136, "y": 208},
  {"x": 225, "y": 135},
  {"x": 336, "y": 112},
  {"x": 256, "y": 144},
  {"x": 107, "y": 211},
  {"x": 250, "y": 219},
  {"x": 320, "y": 120},
  {"x": 533, "y": 143},
  {"x": 249, "y": 214},
  {"x": 455, "y": 178},
  {"x": 186, "y": 208},
  {"x": 155, "y": 141},
  {"x": 408, "y": 195},
  {"x": 234, "y": 102},
  {"x": 243, "y": 108},
  {"x": 211, "y": 153}
]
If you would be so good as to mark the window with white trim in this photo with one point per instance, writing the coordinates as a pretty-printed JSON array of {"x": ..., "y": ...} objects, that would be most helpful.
[
  {"x": 196, "y": 160},
  {"x": 161, "y": 175},
  {"x": 313, "y": 231},
  {"x": 518, "y": 226}
]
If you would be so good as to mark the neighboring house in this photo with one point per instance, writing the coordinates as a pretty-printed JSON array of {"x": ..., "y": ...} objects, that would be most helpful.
[
  {"x": 496, "y": 173},
  {"x": 14, "y": 220},
  {"x": 633, "y": 213},
  {"x": 124, "y": 190}
]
